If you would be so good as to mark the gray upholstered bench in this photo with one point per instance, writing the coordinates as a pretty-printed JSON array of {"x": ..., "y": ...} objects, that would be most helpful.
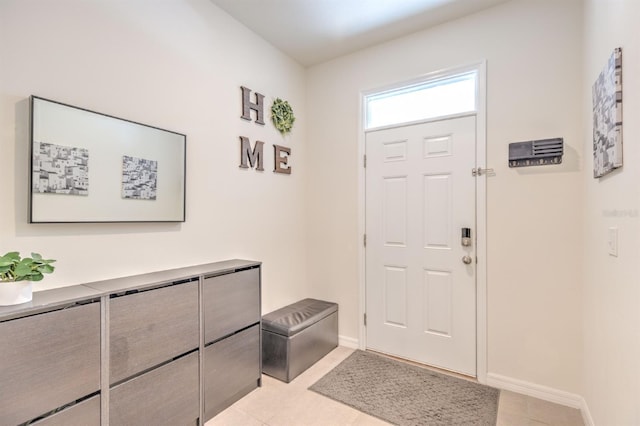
[{"x": 296, "y": 336}]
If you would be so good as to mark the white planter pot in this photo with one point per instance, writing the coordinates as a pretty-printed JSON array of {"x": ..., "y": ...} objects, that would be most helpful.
[{"x": 14, "y": 293}]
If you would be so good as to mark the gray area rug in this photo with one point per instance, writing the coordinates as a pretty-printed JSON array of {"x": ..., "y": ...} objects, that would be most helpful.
[{"x": 405, "y": 394}]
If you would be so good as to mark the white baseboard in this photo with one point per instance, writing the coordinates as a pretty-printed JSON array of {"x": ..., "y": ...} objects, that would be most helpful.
[
  {"x": 542, "y": 392},
  {"x": 586, "y": 414},
  {"x": 348, "y": 342},
  {"x": 537, "y": 391}
]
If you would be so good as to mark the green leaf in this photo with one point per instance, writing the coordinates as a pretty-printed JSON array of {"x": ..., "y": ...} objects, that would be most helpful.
[
  {"x": 22, "y": 269},
  {"x": 37, "y": 276},
  {"x": 13, "y": 255},
  {"x": 46, "y": 269}
]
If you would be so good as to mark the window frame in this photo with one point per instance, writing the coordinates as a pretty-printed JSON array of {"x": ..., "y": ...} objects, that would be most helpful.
[{"x": 426, "y": 81}]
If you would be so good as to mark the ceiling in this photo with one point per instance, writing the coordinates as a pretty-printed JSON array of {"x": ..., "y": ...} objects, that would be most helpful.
[{"x": 314, "y": 31}]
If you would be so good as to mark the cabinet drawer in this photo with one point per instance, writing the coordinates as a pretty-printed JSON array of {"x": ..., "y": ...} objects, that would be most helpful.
[
  {"x": 231, "y": 370},
  {"x": 151, "y": 327},
  {"x": 167, "y": 395},
  {"x": 86, "y": 413},
  {"x": 231, "y": 302},
  {"x": 47, "y": 361}
]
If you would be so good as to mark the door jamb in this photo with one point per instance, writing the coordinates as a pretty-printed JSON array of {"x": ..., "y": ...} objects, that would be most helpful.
[{"x": 481, "y": 212}]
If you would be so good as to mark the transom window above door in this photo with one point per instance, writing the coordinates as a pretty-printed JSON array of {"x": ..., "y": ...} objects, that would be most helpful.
[{"x": 426, "y": 99}]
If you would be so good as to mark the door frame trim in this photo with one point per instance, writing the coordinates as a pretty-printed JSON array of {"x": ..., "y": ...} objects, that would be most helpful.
[{"x": 481, "y": 208}]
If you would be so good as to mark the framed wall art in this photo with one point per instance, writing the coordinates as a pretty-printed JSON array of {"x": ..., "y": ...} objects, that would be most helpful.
[
  {"x": 607, "y": 117},
  {"x": 92, "y": 167}
]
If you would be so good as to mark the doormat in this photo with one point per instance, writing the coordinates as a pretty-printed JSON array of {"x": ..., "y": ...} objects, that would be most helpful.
[{"x": 408, "y": 395}]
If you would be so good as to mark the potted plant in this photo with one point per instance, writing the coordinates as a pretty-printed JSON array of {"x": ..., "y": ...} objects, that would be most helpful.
[{"x": 17, "y": 274}]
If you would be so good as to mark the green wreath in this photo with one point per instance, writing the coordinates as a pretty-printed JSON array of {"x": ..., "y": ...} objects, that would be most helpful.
[{"x": 282, "y": 115}]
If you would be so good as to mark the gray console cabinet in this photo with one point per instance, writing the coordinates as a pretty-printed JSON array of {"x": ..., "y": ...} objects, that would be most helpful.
[
  {"x": 61, "y": 347},
  {"x": 165, "y": 348},
  {"x": 84, "y": 413},
  {"x": 232, "y": 318},
  {"x": 231, "y": 302},
  {"x": 151, "y": 327},
  {"x": 167, "y": 395}
]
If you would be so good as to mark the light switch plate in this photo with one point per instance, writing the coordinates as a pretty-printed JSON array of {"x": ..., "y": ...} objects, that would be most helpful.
[{"x": 613, "y": 241}]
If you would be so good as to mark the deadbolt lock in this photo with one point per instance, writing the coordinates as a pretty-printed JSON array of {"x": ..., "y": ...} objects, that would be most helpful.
[{"x": 466, "y": 237}]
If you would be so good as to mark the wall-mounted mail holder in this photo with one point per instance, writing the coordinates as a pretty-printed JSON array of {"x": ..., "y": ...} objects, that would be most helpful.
[{"x": 536, "y": 153}]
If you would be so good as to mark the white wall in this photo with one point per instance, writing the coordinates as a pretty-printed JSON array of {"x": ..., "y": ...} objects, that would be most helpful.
[
  {"x": 177, "y": 65},
  {"x": 534, "y": 58},
  {"x": 611, "y": 285}
]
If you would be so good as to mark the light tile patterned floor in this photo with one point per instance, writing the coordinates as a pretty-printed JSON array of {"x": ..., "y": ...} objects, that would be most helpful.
[{"x": 281, "y": 404}]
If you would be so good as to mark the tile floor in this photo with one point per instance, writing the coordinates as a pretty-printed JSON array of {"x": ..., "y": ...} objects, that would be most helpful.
[{"x": 281, "y": 404}]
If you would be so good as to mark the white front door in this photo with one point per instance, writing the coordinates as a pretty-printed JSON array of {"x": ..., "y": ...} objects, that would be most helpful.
[{"x": 420, "y": 193}]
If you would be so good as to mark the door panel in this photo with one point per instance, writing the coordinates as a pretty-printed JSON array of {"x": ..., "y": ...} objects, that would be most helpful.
[
  {"x": 420, "y": 296},
  {"x": 437, "y": 211},
  {"x": 395, "y": 296},
  {"x": 395, "y": 211},
  {"x": 437, "y": 302}
]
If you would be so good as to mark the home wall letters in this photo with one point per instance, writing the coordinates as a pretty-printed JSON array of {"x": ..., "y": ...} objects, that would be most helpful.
[{"x": 253, "y": 157}]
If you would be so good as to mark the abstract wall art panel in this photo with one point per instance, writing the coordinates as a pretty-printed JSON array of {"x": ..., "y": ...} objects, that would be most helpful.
[
  {"x": 60, "y": 169},
  {"x": 607, "y": 117},
  {"x": 139, "y": 178}
]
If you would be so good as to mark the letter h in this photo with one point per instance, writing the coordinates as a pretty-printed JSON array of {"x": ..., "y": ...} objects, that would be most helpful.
[{"x": 247, "y": 106}]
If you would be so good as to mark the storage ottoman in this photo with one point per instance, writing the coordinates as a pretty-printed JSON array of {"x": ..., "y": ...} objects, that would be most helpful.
[{"x": 296, "y": 336}]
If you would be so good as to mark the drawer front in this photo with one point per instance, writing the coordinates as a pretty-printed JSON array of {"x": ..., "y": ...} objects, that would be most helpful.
[
  {"x": 231, "y": 302},
  {"x": 86, "y": 413},
  {"x": 167, "y": 395},
  {"x": 231, "y": 370},
  {"x": 47, "y": 361},
  {"x": 152, "y": 327}
]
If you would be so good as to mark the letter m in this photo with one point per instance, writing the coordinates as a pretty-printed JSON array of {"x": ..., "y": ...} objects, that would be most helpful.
[{"x": 251, "y": 156}]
